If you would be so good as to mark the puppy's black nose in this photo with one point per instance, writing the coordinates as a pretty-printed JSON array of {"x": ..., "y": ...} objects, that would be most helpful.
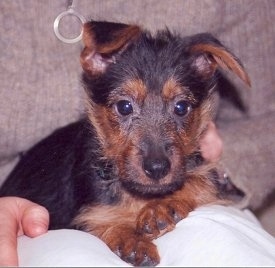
[{"x": 156, "y": 168}]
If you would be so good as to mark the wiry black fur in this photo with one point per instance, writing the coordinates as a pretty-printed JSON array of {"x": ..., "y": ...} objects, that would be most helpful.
[{"x": 63, "y": 173}]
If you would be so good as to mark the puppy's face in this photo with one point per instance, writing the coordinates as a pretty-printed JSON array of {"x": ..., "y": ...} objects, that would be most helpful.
[{"x": 150, "y": 100}]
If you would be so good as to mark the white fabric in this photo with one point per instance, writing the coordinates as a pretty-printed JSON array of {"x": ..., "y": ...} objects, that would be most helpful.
[{"x": 210, "y": 236}]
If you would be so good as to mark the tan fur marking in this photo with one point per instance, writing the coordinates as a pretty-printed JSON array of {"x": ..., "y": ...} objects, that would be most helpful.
[
  {"x": 225, "y": 60},
  {"x": 121, "y": 38},
  {"x": 97, "y": 219},
  {"x": 171, "y": 89},
  {"x": 136, "y": 89},
  {"x": 87, "y": 37}
]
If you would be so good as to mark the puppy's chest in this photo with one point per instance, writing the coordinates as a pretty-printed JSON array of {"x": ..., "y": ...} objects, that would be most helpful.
[{"x": 109, "y": 191}]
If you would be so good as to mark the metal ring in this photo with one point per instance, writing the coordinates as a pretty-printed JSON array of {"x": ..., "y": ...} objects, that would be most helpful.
[{"x": 70, "y": 12}]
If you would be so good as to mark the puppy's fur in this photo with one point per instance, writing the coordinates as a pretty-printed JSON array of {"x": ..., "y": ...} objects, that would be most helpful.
[{"x": 131, "y": 169}]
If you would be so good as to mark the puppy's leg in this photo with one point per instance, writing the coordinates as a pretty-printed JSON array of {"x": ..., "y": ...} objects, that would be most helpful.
[{"x": 117, "y": 228}]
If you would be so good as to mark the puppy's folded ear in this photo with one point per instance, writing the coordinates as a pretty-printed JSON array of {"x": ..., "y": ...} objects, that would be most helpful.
[
  {"x": 103, "y": 41},
  {"x": 210, "y": 54}
]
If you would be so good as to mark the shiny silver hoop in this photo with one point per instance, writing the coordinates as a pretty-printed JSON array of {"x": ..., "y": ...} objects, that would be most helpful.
[{"x": 69, "y": 12}]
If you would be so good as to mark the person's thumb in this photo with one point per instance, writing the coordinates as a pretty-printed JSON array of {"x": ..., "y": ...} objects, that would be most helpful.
[{"x": 35, "y": 221}]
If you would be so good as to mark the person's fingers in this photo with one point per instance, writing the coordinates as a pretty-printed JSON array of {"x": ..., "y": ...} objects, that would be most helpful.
[
  {"x": 18, "y": 216},
  {"x": 211, "y": 144},
  {"x": 8, "y": 246},
  {"x": 9, "y": 227}
]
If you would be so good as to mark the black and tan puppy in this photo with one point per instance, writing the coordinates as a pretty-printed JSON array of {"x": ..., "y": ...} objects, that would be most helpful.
[{"x": 130, "y": 170}]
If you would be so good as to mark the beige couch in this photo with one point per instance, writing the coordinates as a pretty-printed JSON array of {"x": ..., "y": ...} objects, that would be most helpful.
[{"x": 41, "y": 89}]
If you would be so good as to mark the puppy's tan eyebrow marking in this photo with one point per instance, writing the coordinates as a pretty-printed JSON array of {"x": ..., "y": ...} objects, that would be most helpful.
[
  {"x": 171, "y": 89},
  {"x": 135, "y": 88}
]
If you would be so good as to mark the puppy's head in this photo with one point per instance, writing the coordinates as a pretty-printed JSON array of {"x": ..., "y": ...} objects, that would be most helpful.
[{"x": 150, "y": 99}]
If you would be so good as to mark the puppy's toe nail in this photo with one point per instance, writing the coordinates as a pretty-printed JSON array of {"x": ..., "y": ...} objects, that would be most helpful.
[
  {"x": 147, "y": 261},
  {"x": 131, "y": 258},
  {"x": 176, "y": 216},
  {"x": 147, "y": 228},
  {"x": 118, "y": 252},
  {"x": 161, "y": 224}
]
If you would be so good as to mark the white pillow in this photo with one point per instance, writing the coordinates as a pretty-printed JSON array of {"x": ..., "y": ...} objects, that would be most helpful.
[{"x": 209, "y": 236}]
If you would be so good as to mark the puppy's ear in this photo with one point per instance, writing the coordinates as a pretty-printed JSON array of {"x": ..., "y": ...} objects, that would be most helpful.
[
  {"x": 210, "y": 54},
  {"x": 103, "y": 41}
]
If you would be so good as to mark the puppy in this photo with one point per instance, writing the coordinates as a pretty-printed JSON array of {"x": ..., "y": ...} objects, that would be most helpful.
[{"x": 131, "y": 168}]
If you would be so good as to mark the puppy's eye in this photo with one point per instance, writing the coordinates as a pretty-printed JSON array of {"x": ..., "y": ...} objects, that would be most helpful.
[
  {"x": 124, "y": 107},
  {"x": 182, "y": 108}
]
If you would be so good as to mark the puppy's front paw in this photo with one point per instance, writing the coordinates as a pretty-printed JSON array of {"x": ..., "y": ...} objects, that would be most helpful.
[
  {"x": 132, "y": 247},
  {"x": 158, "y": 218}
]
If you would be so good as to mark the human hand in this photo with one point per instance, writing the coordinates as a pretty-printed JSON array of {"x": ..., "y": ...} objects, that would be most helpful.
[
  {"x": 19, "y": 216},
  {"x": 211, "y": 144}
]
